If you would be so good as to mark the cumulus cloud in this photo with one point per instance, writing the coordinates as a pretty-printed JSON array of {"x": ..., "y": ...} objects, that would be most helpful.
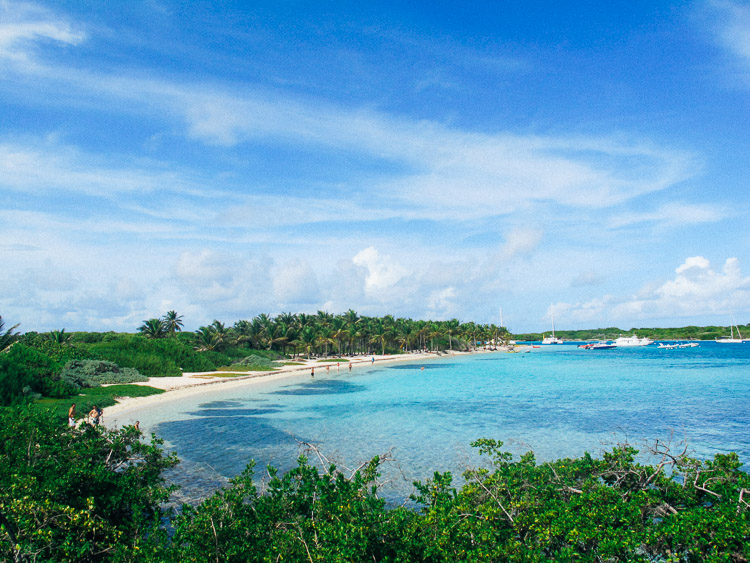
[
  {"x": 697, "y": 290},
  {"x": 382, "y": 272},
  {"x": 441, "y": 303},
  {"x": 295, "y": 282}
]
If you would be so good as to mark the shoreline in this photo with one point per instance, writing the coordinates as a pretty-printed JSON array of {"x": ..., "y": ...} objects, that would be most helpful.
[{"x": 191, "y": 384}]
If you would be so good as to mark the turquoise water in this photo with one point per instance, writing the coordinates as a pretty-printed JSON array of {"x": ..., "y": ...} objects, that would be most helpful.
[{"x": 558, "y": 401}]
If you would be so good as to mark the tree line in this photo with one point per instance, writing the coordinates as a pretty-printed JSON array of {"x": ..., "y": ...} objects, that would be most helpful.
[{"x": 324, "y": 333}]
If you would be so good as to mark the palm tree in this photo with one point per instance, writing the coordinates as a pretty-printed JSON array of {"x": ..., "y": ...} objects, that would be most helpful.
[
  {"x": 207, "y": 338},
  {"x": 451, "y": 328},
  {"x": 59, "y": 336},
  {"x": 153, "y": 328},
  {"x": 325, "y": 337},
  {"x": 8, "y": 337},
  {"x": 338, "y": 327},
  {"x": 172, "y": 322},
  {"x": 244, "y": 333},
  {"x": 221, "y": 334},
  {"x": 307, "y": 340}
]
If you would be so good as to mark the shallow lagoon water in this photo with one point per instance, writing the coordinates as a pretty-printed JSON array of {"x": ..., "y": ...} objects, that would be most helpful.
[{"x": 558, "y": 401}]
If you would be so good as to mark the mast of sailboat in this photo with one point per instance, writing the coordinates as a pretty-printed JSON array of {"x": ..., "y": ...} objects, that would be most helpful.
[{"x": 553, "y": 325}]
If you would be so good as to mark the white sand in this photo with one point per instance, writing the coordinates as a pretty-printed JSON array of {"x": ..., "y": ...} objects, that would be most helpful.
[{"x": 191, "y": 384}]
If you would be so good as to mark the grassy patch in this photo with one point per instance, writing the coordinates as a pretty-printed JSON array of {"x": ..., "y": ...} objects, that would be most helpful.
[{"x": 100, "y": 396}]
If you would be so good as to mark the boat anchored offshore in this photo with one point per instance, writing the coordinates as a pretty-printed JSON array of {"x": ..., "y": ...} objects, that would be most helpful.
[
  {"x": 731, "y": 339},
  {"x": 666, "y": 346},
  {"x": 625, "y": 341},
  {"x": 552, "y": 339},
  {"x": 601, "y": 345}
]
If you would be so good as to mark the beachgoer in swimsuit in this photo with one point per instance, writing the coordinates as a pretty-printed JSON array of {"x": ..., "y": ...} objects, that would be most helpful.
[
  {"x": 94, "y": 415},
  {"x": 312, "y": 371},
  {"x": 72, "y": 415}
]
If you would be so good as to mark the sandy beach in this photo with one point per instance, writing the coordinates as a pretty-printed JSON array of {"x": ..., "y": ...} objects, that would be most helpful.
[{"x": 191, "y": 384}]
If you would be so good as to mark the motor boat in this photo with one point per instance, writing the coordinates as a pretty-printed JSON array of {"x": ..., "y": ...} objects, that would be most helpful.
[{"x": 625, "y": 341}]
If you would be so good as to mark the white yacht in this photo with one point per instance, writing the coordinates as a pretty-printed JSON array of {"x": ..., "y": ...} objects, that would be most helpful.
[
  {"x": 552, "y": 339},
  {"x": 624, "y": 341},
  {"x": 731, "y": 339}
]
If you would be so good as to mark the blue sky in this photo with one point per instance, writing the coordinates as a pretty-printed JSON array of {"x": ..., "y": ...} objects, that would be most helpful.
[{"x": 427, "y": 160}]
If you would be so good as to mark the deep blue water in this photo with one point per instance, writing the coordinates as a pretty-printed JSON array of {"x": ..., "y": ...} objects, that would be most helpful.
[{"x": 558, "y": 401}]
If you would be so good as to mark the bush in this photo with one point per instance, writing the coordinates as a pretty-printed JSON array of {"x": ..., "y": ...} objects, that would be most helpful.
[
  {"x": 68, "y": 495},
  {"x": 25, "y": 372},
  {"x": 270, "y": 354},
  {"x": 93, "y": 373},
  {"x": 257, "y": 362},
  {"x": 153, "y": 357}
]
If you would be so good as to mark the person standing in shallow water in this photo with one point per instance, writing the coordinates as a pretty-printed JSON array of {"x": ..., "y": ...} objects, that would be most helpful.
[{"x": 312, "y": 371}]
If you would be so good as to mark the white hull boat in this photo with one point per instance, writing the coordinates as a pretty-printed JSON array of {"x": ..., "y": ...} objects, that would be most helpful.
[
  {"x": 625, "y": 341},
  {"x": 552, "y": 339},
  {"x": 731, "y": 339}
]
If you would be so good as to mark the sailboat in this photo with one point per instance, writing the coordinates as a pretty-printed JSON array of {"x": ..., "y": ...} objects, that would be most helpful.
[
  {"x": 731, "y": 339},
  {"x": 552, "y": 339}
]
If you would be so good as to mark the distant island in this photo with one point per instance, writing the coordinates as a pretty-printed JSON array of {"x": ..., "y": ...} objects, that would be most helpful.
[{"x": 611, "y": 333}]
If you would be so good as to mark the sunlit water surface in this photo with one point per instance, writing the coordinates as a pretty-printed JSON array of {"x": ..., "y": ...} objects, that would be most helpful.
[{"x": 558, "y": 401}]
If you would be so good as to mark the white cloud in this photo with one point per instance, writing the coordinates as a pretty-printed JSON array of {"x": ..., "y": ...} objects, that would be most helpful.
[
  {"x": 441, "y": 303},
  {"x": 22, "y": 25},
  {"x": 521, "y": 241},
  {"x": 45, "y": 167},
  {"x": 382, "y": 272},
  {"x": 673, "y": 215},
  {"x": 734, "y": 27},
  {"x": 295, "y": 283},
  {"x": 696, "y": 291}
]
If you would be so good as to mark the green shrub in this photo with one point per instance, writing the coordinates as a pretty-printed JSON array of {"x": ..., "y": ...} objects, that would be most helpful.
[
  {"x": 154, "y": 357},
  {"x": 259, "y": 363},
  {"x": 93, "y": 373},
  {"x": 25, "y": 371},
  {"x": 270, "y": 354},
  {"x": 72, "y": 496}
]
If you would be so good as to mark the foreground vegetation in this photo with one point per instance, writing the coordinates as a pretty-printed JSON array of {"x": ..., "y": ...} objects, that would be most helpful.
[{"x": 98, "y": 495}]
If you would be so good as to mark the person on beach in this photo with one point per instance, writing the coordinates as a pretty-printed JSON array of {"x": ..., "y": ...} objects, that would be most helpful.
[
  {"x": 373, "y": 359},
  {"x": 328, "y": 370},
  {"x": 94, "y": 415},
  {"x": 312, "y": 371},
  {"x": 338, "y": 366},
  {"x": 137, "y": 425},
  {"x": 350, "y": 366},
  {"x": 72, "y": 415}
]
